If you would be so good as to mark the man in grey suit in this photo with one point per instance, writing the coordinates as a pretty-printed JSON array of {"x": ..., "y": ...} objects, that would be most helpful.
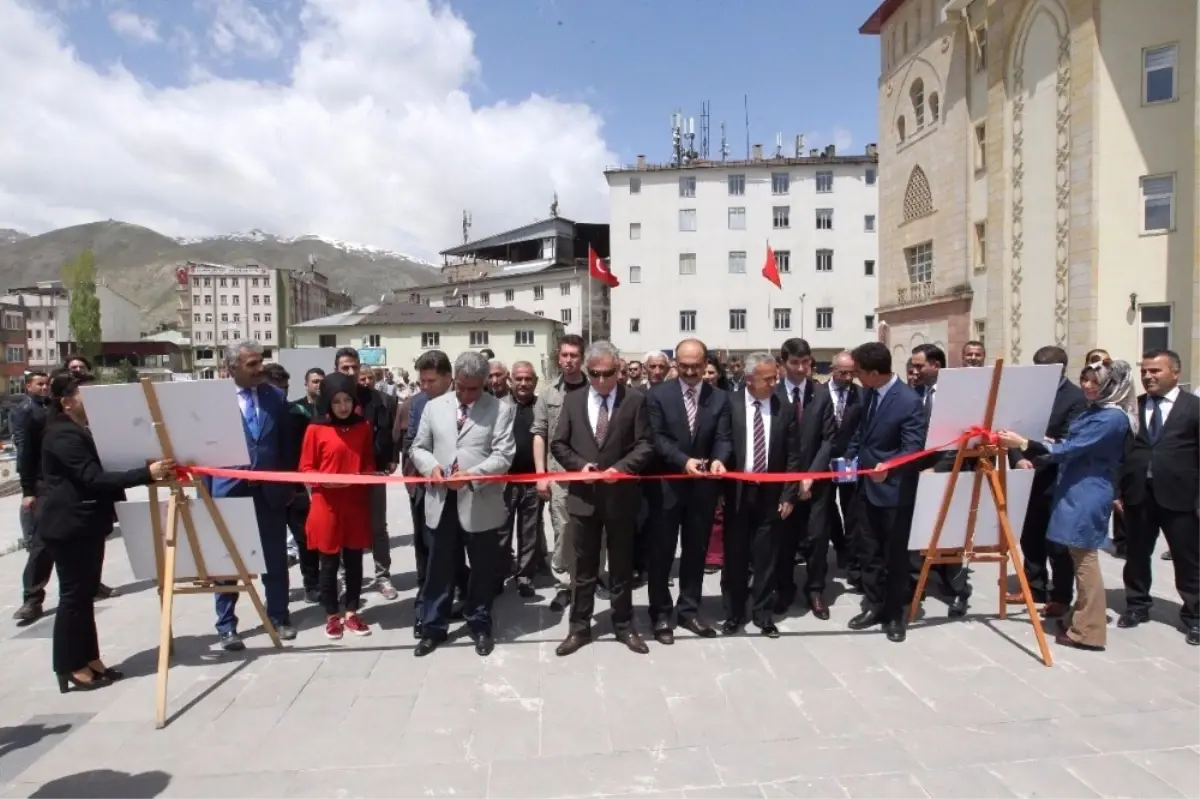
[{"x": 462, "y": 434}]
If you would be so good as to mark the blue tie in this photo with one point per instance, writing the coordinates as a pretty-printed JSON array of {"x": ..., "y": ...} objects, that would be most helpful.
[
  {"x": 1156, "y": 420},
  {"x": 250, "y": 411}
]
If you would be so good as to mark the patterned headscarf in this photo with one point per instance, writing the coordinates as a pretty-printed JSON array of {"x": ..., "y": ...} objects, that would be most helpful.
[{"x": 1115, "y": 379}]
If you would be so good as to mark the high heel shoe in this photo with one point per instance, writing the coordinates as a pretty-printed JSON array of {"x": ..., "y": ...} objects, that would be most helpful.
[
  {"x": 69, "y": 682},
  {"x": 108, "y": 674}
]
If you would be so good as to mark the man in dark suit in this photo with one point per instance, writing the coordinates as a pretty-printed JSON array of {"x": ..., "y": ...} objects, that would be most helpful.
[
  {"x": 264, "y": 410},
  {"x": 893, "y": 425},
  {"x": 847, "y": 408},
  {"x": 805, "y": 532},
  {"x": 766, "y": 439},
  {"x": 1161, "y": 491},
  {"x": 690, "y": 422},
  {"x": 1054, "y": 585},
  {"x": 605, "y": 430}
]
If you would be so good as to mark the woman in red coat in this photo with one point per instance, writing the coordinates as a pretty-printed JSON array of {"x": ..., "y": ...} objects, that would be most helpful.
[{"x": 339, "y": 441}]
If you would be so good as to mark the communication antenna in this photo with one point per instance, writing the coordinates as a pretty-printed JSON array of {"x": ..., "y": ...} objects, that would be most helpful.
[
  {"x": 724, "y": 143},
  {"x": 799, "y": 145},
  {"x": 779, "y": 145},
  {"x": 746, "y": 107},
  {"x": 705, "y": 120},
  {"x": 466, "y": 224},
  {"x": 677, "y": 138},
  {"x": 689, "y": 153}
]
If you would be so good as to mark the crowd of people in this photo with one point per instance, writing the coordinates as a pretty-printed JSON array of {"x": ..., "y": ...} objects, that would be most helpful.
[{"x": 691, "y": 413}]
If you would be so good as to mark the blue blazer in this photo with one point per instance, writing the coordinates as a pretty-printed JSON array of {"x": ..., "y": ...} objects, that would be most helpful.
[
  {"x": 268, "y": 453},
  {"x": 897, "y": 428}
]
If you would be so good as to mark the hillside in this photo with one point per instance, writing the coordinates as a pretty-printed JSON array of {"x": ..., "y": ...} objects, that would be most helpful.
[{"x": 140, "y": 263}]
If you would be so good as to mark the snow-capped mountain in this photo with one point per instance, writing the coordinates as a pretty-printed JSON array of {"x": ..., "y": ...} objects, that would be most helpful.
[
  {"x": 8, "y": 236},
  {"x": 261, "y": 236}
]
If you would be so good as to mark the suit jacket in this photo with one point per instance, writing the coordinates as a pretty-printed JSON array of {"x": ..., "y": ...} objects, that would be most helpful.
[
  {"x": 627, "y": 447},
  {"x": 75, "y": 495},
  {"x": 1069, "y": 402},
  {"x": 28, "y": 422},
  {"x": 1174, "y": 457},
  {"x": 484, "y": 445},
  {"x": 377, "y": 408},
  {"x": 268, "y": 453},
  {"x": 673, "y": 441},
  {"x": 783, "y": 453},
  {"x": 842, "y": 433},
  {"x": 896, "y": 428},
  {"x": 817, "y": 425}
]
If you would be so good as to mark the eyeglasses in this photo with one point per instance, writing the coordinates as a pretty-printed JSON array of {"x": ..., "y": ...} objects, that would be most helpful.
[{"x": 597, "y": 374}]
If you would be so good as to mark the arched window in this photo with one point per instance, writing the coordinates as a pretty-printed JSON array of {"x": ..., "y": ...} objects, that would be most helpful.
[
  {"x": 918, "y": 199},
  {"x": 934, "y": 107},
  {"x": 916, "y": 93},
  {"x": 900, "y": 127}
]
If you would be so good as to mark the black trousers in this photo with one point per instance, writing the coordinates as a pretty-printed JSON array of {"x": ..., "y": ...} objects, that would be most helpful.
[
  {"x": 1048, "y": 566},
  {"x": 39, "y": 563},
  {"x": 79, "y": 562},
  {"x": 687, "y": 524},
  {"x": 1182, "y": 531},
  {"x": 815, "y": 543},
  {"x": 297, "y": 518},
  {"x": 381, "y": 544},
  {"x": 328, "y": 581},
  {"x": 648, "y": 523},
  {"x": 416, "y": 505},
  {"x": 587, "y": 534},
  {"x": 1119, "y": 538},
  {"x": 751, "y": 545},
  {"x": 844, "y": 528},
  {"x": 883, "y": 553},
  {"x": 793, "y": 533},
  {"x": 525, "y": 513},
  {"x": 447, "y": 542}
]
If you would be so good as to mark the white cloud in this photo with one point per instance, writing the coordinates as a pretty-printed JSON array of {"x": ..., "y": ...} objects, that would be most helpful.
[
  {"x": 132, "y": 26},
  {"x": 372, "y": 138},
  {"x": 842, "y": 140},
  {"x": 238, "y": 26}
]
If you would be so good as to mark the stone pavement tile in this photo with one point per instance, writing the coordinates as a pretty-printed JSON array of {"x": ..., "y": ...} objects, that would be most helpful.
[
  {"x": 279, "y": 682},
  {"x": 637, "y": 716},
  {"x": 1110, "y": 775},
  {"x": 319, "y": 703},
  {"x": 617, "y": 773},
  {"x": 803, "y": 789},
  {"x": 972, "y": 782},
  {"x": 348, "y": 664},
  {"x": 1164, "y": 729},
  {"x": 264, "y": 784},
  {"x": 1142, "y": 685},
  {"x": 763, "y": 708},
  {"x": 391, "y": 781},
  {"x": 790, "y": 661},
  {"x": 506, "y": 729},
  {"x": 572, "y": 716},
  {"x": 23, "y": 743},
  {"x": 950, "y": 747},
  {"x": 890, "y": 702},
  {"x": 1041, "y": 778},
  {"x": 833, "y": 712},
  {"x": 724, "y": 792},
  {"x": 782, "y": 761},
  {"x": 1179, "y": 768},
  {"x": 91, "y": 746},
  {"x": 396, "y": 673},
  {"x": 894, "y": 786}
]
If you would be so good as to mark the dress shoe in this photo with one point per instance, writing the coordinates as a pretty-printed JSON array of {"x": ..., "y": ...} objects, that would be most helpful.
[
  {"x": 572, "y": 644},
  {"x": 663, "y": 632},
  {"x": 868, "y": 618},
  {"x": 769, "y": 630},
  {"x": 28, "y": 613},
  {"x": 819, "y": 608},
  {"x": 312, "y": 596},
  {"x": 731, "y": 626},
  {"x": 232, "y": 642},
  {"x": 1132, "y": 618},
  {"x": 639, "y": 580},
  {"x": 69, "y": 682},
  {"x": 525, "y": 591},
  {"x": 105, "y": 592},
  {"x": 561, "y": 601},
  {"x": 698, "y": 628},
  {"x": 484, "y": 643},
  {"x": 1062, "y": 639},
  {"x": 426, "y": 646},
  {"x": 111, "y": 675},
  {"x": 958, "y": 607},
  {"x": 1193, "y": 635},
  {"x": 633, "y": 642},
  {"x": 896, "y": 632}
]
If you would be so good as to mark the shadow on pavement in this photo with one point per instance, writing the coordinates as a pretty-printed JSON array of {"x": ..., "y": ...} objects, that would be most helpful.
[{"x": 105, "y": 784}]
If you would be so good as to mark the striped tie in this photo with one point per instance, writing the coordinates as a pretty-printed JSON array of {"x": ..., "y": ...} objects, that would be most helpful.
[
  {"x": 689, "y": 404},
  {"x": 760, "y": 439},
  {"x": 602, "y": 421},
  {"x": 463, "y": 410},
  {"x": 839, "y": 410}
]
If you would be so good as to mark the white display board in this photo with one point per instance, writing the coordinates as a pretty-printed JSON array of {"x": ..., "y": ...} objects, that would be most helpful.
[
  {"x": 298, "y": 360},
  {"x": 931, "y": 489},
  {"x": 238, "y": 513},
  {"x": 202, "y": 417},
  {"x": 1023, "y": 404}
]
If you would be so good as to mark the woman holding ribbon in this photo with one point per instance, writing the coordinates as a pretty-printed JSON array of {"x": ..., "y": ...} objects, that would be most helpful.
[{"x": 1088, "y": 459}]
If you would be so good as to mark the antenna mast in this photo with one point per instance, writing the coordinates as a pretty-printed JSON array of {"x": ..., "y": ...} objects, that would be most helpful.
[
  {"x": 724, "y": 143},
  {"x": 746, "y": 107},
  {"x": 466, "y": 224},
  {"x": 705, "y": 121}
]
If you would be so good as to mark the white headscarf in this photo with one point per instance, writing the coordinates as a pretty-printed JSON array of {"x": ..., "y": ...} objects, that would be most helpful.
[{"x": 1116, "y": 389}]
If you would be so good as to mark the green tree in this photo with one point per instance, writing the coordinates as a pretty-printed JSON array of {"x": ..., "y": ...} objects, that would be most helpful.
[
  {"x": 127, "y": 371},
  {"x": 79, "y": 276}
]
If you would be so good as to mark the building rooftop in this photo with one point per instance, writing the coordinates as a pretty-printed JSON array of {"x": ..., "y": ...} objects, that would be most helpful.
[
  {"x": 408, "y": 313},
  {"x": 814, "y": 158}
]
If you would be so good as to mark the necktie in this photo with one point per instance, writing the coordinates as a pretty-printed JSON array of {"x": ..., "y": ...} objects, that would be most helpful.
[
  {"x": 929, "y": 396},
  {"x": 689, "y": 404},
  {"x": 249, "y": 410},
  {"x": 760, "y": 439},
  {"x": 872, "y": 398},
  {"x": 463, "y": 410},
  {"x": 797, "y": 405},
  {"x": 839, "y": 410},
  {"x": 602, "y": 421},
  {"x": 1156, "y": 419}
]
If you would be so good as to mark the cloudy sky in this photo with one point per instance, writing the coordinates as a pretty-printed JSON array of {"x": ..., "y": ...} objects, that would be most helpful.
[{"x": 380, "y": 121}]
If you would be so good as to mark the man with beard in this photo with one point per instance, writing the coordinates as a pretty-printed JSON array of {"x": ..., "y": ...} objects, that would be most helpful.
[
  {"x": 636, "y": 379},
  {"x": 27, "y": 422}
]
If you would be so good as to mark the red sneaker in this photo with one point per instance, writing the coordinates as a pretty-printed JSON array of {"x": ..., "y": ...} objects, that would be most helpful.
[
  {"x": 333, "y": 628},
  {"x": 356, "y": 625}
]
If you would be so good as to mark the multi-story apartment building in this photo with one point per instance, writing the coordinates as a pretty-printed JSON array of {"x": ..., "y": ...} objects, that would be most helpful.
[
  {"x": 1039, "y": 168},
  {"x": 14, "y": 353},
  {"x": 540, "y": 268},
  {"x": 689, "y": 242},
  {"x": 311, "y": 297},
  {"x": 48, "y": 330}
]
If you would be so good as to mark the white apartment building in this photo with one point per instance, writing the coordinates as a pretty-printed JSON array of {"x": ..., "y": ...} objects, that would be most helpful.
[
  {"x": 220, "y": 304},
  {"x": 689, "y": 244},
  {"x": 48, "y": 326}
]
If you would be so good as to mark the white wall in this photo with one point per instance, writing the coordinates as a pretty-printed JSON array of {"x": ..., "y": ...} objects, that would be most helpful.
[{"x": 120, "y": 318}]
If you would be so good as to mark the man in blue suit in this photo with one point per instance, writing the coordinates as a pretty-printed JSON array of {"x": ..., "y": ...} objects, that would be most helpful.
[
  {"x": 893, "y": 425},
  {"x": 264, "y": 408}
]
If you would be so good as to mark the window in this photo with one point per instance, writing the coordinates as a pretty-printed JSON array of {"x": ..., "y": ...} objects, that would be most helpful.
[
  {"x": 479, "y": 338},
  {"x": 208, "y": 299},
  {"x": 237, "y": 300},
  {"x": 222, "y": 282},
  {"x": 539, "y": 293},
  {"x": 780, "y": 182},
  {"x": 635, "y": 231},
  {"x": 980, "y": 246},
  {"x": 635, "y": 274},
  {"x": 224, "y": 299},
  {"x": 635, "y": 185},
  {"x": 1158, "y": 203},
  {"x": 266, "y": 282},
  {"x": 935, "y": 107},
  {"x": 431, "y": 340},
  {"x": 635, "y": 325},
  {"x": 916, "y": 94},
  {"x": 981, "y": 48},
  {"x": 980, "y": 147},
  {"x": 196, "y": 282},
  {"x": 485, "y": 298},
  {"x": 1158, "y": 73},
  {"x": 266, "y": 299},
  {"x": 207, "y": 318},
  {"x": 254, "y": 299},
  {"x": 257, "y": 317},
  {"x": 539, "y": 313},
  {"x": 208, "y": 282},
  {"x": 737, "y": 185},
  {"x": 253, "y": 282},
  {"x": 824, "y": 219},
  {"x": 783, "y": 318},
  {"x": 869, "y": 223},
  {"x": 687, "y": 186},
  {"x": 737, "y": 319},
  {"x": 371, "y": 340},
  {"x": 508, "y": 295},
  {"x": 900, "y": 128},
  {"x": 824, "y": 319},
  {"x": 233, "y": 281},
  {"x": 980, "y": 327},
  {"x": 869, "y": 322},
  {"x": 196, "y": 317},
  {"x": 870, "y": 176},
  {"x": 266, "y": 335},
  {"x": 781, "y": 217},
  {"x": 224, "y": 317},
  {"x": 237, "y": 317},
  {"x": 564, "y": 289},
  {"x": 50, "y": 333},
  {"x": 687, "y": 263},
  {"x": 14, "y": 354},
  {"x": 918, "y": 198},
  {"x": 687, "y": 220},
  {"x": 38, "y": 334},
  {"x": 687, "y": 321},
  {"x": 1156, "y": 327},
  {"x": 737, "y": 262},
  {"x": 565, "y": 315},
  {"x": 523, "y": 338},
  {"x": 919, "y": 261},
  {"x": 737, "y": 218},
  {"x": 195, "y": 299},
  {"x": 50, "y": 316},
  {"x": 783, "y": 261},
  {"x": 824, "y": 260}
]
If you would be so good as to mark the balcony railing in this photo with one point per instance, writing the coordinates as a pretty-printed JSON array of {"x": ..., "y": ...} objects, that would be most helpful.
[{"x": 914, "y": 293}]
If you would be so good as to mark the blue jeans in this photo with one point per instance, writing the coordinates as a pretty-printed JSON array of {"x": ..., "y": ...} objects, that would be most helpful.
[{"x": 272, "y": 532}]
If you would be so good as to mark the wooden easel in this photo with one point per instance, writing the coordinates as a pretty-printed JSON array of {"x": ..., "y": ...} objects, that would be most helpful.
[
  {"x": 986, "y": 455},
  {"x": 179, "y": 509}
]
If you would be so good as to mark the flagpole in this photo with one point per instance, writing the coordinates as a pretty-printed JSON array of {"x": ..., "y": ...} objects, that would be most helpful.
[{"x": 589, "y": 305}]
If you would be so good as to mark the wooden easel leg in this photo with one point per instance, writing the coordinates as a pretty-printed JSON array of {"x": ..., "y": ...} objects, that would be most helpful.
[{"x": 168, "y": 602}]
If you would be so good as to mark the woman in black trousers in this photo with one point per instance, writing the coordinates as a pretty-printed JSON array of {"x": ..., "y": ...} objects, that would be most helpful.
[{"x": 75, "y": 511}]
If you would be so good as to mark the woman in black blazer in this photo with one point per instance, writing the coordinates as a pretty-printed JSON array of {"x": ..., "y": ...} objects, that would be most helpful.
[{"x": 74, "y": 516}]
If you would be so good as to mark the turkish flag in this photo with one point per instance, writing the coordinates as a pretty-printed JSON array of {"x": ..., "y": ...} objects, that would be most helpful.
[
  {"x": 770, "y": 271},
  {"x": 599, "y": 270}
]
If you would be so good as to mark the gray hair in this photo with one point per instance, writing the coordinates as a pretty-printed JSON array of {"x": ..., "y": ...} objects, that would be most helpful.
[
  {"x": 757, "y": 359},
  {"x": 844, "y": 354},
  {"x": 471, "y": 365},
  {"x": 494, "y": 362},
  {"x": 527, "y": 365},
  {"x": 233, "y": 352},
  {"x": 601, "y": 349},
  {"x": 655, "y": 354}
]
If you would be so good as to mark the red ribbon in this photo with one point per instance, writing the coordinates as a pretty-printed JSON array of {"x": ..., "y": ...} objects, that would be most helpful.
[{"x": 319, "y": 478}]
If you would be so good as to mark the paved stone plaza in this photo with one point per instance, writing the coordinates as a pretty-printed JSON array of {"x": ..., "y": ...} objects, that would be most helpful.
[{"x": 962, "y": 709}]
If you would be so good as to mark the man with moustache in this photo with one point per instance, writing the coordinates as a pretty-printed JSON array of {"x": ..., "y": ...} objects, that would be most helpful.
[
  {"x": 524, "y": 505},
  {"x": 636, "y": 378},
  {"x": 656, "y": 367},
  {"x": 690, "y": 423},
  {"x": 847, "y": 407},
  {"x": 974, "y": 354},
  {"x": 498, "y": 380},
  {"x": 736, "y": 374}
]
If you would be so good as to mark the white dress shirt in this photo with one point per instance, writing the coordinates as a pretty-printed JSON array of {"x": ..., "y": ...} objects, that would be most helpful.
[
  {"x": 882, "y": 391},
  {"x": 1164, "y": 407},
  {"x": 594, "y": 406},
  {"x": 791, "y": 387},
  {"x": 748, "y": 466},
  {"x": 246, "y": 403}
]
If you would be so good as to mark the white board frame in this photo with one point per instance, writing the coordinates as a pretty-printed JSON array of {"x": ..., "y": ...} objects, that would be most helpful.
[
  {"x": 931, "y": 489},
  {"x": 238, "y": 513},
  {"x": 1024, "y": 402}
]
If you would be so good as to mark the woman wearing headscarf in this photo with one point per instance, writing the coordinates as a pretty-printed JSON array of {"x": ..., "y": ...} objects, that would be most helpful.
[
  {"x": 1088, "y": 460},
  {"x": 714, "y": 559}
]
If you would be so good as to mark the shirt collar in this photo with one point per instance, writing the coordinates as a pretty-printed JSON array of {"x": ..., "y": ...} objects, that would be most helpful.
[
  {"x": 751, "y": 399},
  {"x": 594, "y": 396},
  {"x": 886, "y": 387},
  {"x": 1171, "y": 395},
  {"x": 683, "y": 388},
  {"x": 791, "y": 387}
]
